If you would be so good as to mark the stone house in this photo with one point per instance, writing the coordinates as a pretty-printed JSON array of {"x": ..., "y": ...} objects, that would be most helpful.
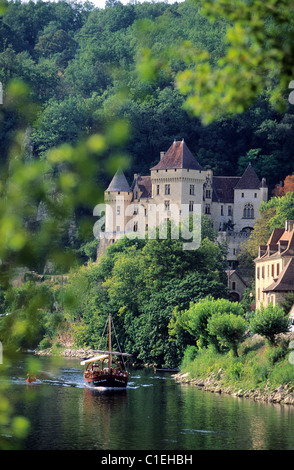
[
  {"x": 236, "y": 285},
  {"x": 180, "y": 186},
  {"x": 274, "y": 267}
]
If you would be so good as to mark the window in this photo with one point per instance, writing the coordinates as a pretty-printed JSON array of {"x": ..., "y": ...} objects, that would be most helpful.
[
  {"x": 278, "y": 269},
  {"x": 230, "y": 212},
  {"x": 233, "y": 285},
  {"x": 167, "y": 189},
  {"x": 191, "y": 206},
  {"x": 255, "y": 195},
  {"x": 257, "y": 273},
  {"x": 207, "y": 208},
  {"x": 242, "y": 195},
  {"x": 248, "y": 212},
  {"x": 207, "y": 194},
  {"x": 135, "y": 226},
  {"x": 166, "y": 205},
  {"x": 273, "y": 270},
  {"x": 157, "y": 189},
  {"x": 191, "y": 189},
  {"x": 262, "y": 272},
  {"x": 222, "y": 210},
  {"x": 118, "y": 210}
]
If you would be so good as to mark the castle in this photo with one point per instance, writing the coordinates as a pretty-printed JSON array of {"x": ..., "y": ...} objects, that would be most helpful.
[{"x": 178, "y": 180}]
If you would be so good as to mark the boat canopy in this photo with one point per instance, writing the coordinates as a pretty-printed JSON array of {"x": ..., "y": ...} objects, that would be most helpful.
[
  {"x": 95, "y": 358},
  {"x": 113, "y": 353}
]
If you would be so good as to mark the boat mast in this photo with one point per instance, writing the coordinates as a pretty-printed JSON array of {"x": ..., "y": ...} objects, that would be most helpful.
[{"x": 109, "y": 361}]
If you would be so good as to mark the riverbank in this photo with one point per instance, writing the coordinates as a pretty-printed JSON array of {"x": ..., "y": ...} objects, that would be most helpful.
[
  {"x": 283, "y": 394},
  {"x": 81, "y": 353},
  {"x": 261, "y": 372}
]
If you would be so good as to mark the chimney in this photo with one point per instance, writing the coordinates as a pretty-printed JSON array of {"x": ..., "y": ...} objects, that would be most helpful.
[
  {"x": 162, "y": 155},
  {"x": 289, "y": 225}
]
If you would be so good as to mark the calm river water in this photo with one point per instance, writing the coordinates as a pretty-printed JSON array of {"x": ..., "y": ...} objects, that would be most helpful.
[{"x": 153, "y": 413}]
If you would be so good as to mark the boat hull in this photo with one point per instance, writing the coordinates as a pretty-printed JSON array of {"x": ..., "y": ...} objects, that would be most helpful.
[{"x": 106, "y": 380}]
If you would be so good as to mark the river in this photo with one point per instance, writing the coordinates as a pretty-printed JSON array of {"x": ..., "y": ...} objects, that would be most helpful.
[{"x": 152, "y": 413}]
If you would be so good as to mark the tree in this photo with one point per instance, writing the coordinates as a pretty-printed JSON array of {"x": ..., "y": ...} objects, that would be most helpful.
[
  {"x": 195, "y": 319},
  {"x": 255, "y": 59},
  {"x": 259, "y": 236},
  {"x": 285, "y": 187},
  {"x": 269, "y": 322},
  {"x": 229, "y": 330},
  {"x": 284, "y": 210}
]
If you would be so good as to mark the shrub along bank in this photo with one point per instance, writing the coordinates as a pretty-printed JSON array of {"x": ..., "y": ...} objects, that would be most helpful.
[{"x": 261, "y": 371}]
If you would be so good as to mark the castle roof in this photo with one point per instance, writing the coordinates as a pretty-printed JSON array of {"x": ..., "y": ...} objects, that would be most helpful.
[
  {"x": 144, "y": 183},
  {"x": 249, "y": 179},
  {"x": 119, "y": 182},
  {"x": 223, "y": 188},
  {"x": 178, "y": 156},
  {"x": 285, "y": 280}
]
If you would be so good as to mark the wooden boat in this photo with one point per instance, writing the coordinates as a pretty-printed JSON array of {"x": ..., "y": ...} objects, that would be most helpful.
[{"x": 105, "y": 369}]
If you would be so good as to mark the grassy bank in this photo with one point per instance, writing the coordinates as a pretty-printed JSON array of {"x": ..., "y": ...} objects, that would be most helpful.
[{"x": 259, "y": 367}]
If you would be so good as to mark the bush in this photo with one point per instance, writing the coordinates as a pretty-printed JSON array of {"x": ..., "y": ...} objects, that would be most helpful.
[
  {"x": 189, "y": 355},
  {"x": 236, "y": 370},
  {"x": 45, "y": 343},
  {"x": 269, "y": 322},
  {"x": 229, "y": 330}
]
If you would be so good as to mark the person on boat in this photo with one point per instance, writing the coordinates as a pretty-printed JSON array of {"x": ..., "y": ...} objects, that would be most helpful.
[{"x": 31, "y": 377}]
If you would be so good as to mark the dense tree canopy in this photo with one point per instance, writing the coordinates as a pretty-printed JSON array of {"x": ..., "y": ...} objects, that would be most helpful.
[{"x": 83, "y": 65}]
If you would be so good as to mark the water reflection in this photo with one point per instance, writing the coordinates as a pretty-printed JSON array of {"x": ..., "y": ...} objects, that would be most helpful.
[{"x": 152, "y": 413}]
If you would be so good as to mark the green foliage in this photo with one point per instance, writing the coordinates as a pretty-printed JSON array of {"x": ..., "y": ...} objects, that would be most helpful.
[
  {"x": 255, "y": 58},
  {"x": 283, "y": 207},
  {"x": 198, "y": 321},
  {"x": 93, "y": 77},
  {"x": 260, "y": 366},
  {"x": 229, "y": 330},
  {"x": 84, "y": 96},
  {"x": 140, "y": 282},
  {"x": 189, "y": 356},
  {"x": 269, "y": 322}
]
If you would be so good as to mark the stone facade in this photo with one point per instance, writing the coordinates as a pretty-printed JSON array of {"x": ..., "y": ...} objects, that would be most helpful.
[
  {"x": 236, "y": 285},
  {"x": 178, "y": 181},
  {"x": 274, "y": 267}
]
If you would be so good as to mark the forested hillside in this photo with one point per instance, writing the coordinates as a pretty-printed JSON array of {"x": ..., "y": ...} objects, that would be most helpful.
[{"x": 81, "y": 65}]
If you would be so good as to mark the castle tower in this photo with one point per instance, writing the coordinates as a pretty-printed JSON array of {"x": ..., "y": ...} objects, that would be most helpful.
[
  {"x": 249, "y": 192},
  {"x": 177, "y": 178},
  {"x": 117, "y": 197}
]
